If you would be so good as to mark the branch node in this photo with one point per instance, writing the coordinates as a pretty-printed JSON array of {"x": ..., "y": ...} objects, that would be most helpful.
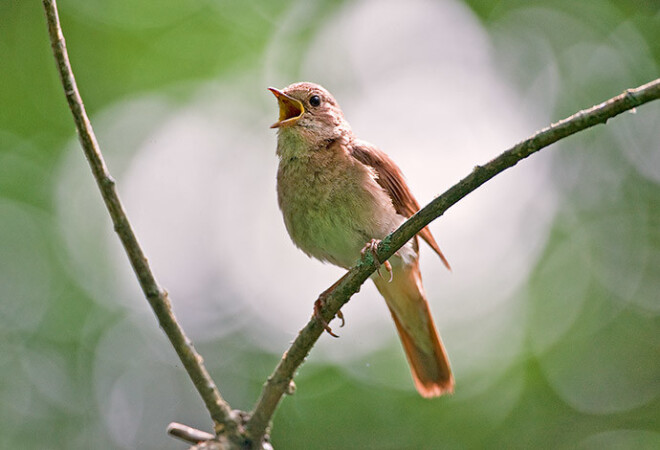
[
  {"x": 108, "y": 182},
  {"x": 291, "y": 388}
]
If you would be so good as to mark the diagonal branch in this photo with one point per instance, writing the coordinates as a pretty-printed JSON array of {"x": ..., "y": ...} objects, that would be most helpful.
[
  {"x": 158, "y": 298},
  {"x": 279, "y": 381}
]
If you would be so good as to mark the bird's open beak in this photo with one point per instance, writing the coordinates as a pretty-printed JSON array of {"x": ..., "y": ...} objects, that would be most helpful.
[{"x": 291, "y": 110}]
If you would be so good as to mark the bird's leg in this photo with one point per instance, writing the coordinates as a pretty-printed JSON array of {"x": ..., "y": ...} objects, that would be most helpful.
[
  {"x": 320, "y": 303},
  {"x": 372, "y": 246}
]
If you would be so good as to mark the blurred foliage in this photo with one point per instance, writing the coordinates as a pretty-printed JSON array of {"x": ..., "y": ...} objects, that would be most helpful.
[{"x": 589, "y": 375}]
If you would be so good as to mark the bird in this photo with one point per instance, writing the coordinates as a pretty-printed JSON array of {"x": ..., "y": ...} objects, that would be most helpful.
[{"x": 339, "y": 196}]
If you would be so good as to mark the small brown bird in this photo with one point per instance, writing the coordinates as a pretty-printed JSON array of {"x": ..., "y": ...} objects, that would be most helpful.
[{"x": 338, "y": 193}]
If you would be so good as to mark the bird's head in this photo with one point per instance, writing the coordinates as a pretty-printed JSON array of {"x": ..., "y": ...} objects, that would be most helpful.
[{"x": 309, "y": 111}]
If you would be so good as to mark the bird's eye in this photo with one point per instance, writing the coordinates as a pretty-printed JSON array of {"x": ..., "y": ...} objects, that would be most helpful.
[{"x": 315, "y": 100}]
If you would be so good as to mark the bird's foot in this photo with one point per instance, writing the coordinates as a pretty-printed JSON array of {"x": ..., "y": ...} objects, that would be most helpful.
[
  {"x": 372, "y": 246},
  {"x": 318, "y": 305}
]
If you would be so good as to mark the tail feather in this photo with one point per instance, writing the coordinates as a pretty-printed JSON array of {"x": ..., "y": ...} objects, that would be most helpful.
[
  {"x": 430, "y": 371},
  {"x": 426, "y": 355}
]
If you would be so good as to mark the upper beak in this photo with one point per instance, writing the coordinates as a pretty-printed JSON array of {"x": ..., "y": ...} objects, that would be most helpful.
[{"x": 291, "y": 110}]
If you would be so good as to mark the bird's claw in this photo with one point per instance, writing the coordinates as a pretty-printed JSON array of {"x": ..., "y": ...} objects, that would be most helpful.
[
  {"x": 372, "y": 246},
  {"x": 388, "y": 267},
  {"x": 318, "y": 305}
]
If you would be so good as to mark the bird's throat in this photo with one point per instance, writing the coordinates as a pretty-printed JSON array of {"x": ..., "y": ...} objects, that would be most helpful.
[{"x": 291, "y": 144}]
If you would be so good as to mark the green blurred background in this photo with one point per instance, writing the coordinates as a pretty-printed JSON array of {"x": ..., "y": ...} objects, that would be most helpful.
[{"x": 552, "y": 314}]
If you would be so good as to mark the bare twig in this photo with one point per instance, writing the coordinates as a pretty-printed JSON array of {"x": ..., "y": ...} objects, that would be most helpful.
[
  {"x": 279, "y": 380},
  {"x": 158, "y": 298},
  {"x": 188, "y": 434}
]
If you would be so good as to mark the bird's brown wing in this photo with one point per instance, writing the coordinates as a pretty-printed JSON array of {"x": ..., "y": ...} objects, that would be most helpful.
[{"x": 391, "y": 179}]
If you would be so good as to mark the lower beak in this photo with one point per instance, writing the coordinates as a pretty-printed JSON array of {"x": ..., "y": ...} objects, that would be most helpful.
[{"x": 291, "y": 110}]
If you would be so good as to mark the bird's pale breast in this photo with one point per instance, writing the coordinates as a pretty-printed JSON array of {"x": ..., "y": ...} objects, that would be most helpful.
[{"x": 332, "y": 205}]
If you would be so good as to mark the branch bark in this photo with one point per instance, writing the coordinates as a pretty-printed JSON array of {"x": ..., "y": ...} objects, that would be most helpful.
[
  {"x": 278, "y": 382},
  {"x": 221, "y": 414}
]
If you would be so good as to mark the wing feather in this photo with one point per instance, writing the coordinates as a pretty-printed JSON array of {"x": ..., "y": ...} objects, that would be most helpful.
[{"x": 392, "y": 181}]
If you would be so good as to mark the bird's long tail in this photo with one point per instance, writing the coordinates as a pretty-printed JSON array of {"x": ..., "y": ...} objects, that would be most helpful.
[{"x": 410, "y": 310}]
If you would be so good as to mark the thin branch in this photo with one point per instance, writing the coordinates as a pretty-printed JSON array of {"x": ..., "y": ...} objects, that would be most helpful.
[
  {"x": 280, "y": 379},
  {"x": 188, "y": 434},
  {"x": 158, "y": 298}
]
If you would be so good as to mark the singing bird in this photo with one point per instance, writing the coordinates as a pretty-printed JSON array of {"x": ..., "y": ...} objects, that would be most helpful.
[{"x": 339, "y": 196}]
